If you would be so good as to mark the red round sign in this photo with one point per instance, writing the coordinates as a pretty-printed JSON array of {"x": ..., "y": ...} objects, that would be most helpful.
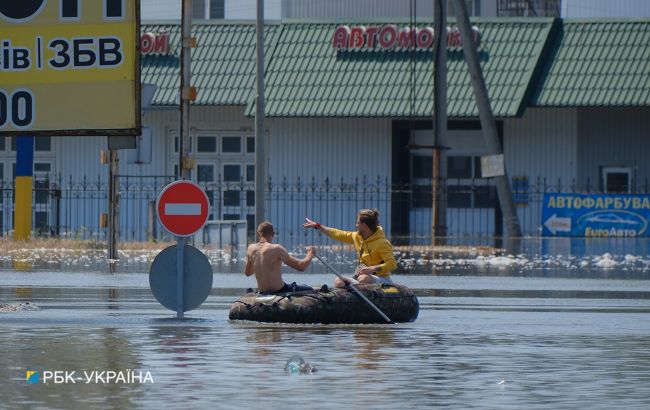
[{"x": 182, "y": 208}]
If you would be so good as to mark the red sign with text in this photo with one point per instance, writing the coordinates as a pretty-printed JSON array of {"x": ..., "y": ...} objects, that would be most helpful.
[{"x": 182, "y": 208}]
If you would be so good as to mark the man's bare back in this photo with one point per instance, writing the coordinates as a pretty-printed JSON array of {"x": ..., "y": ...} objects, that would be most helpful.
[{"x": 265, "y": 261}]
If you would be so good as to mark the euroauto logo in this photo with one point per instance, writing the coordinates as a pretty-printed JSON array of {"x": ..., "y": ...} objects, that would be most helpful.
[{"x": 127, "y": 376}]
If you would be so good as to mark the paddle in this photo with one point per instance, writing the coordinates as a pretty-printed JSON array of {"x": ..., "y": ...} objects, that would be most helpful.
[{"x": 361, "y": 295}]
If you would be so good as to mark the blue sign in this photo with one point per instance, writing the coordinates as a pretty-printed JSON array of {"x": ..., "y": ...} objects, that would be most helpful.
[
  {"x": 197, "y": 278},
  {"x": 598, "y": 215}
]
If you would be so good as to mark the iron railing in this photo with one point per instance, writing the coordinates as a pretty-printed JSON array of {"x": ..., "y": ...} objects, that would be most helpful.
[
  {"x": 70, "y": 209},
  {"x": 529, "y": 8}
]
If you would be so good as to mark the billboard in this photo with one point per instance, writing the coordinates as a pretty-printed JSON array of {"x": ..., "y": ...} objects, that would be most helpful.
[
  {"x": 596, "y": 215},
  {"x": 69, "y": 67}
]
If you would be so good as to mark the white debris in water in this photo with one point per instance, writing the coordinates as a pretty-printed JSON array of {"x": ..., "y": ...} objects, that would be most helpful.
[
  {"x": 18, "y": 307},
  {"x": 605, "y": 261}
]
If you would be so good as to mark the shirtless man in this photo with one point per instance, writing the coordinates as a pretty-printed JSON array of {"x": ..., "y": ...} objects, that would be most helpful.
[{"x": 265, "y": 260}]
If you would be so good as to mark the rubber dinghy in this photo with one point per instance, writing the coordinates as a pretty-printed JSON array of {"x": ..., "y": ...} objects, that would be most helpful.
[{"x": 329, "y": 305}]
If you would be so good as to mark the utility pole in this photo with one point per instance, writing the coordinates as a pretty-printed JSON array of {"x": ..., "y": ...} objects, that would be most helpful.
[
  {"x": 259, "y": 118},
  {"x": 488, "y": 123},
  {"x": 113, "y": 198},
  {"x": 187, "y": 92},
  {"x": 439, "y": 160}
]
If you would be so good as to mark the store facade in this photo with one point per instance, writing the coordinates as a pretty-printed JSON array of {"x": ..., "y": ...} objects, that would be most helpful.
[{"x": 348, "y": 125}]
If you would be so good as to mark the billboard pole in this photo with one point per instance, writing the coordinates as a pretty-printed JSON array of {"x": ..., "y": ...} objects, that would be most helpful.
[
  {"x": 259, "y": 118},
  {"x": 185, "y": 91}
]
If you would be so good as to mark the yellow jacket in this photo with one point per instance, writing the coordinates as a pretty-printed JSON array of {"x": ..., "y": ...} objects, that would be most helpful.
[{"x": 376, "y": 250}]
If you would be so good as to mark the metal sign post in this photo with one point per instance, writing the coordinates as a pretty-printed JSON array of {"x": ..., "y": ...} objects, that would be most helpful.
[
  {"x": 180, "y": 250},
  {"x": 181, "y": 276}
]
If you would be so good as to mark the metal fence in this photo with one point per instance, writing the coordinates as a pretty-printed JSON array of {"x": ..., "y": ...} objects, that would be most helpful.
[{"x": 73, "y": 210}]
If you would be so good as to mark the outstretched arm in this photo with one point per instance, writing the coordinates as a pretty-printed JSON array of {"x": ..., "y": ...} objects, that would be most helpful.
[
  {"x": 299, "y": 265},
  {"x": 336, "y": 234},
  {"x": 315, "y": 225}
]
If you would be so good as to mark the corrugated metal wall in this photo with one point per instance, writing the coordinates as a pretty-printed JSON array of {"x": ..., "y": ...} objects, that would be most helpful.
[
  {"x": 541, "y": 147},
  {"x": 617, "y": 137},
  {"x": 335, "y": 148},
  {"x": 542, "y": 144}
]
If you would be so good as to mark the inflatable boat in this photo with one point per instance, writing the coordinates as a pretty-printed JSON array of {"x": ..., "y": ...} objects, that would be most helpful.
[{"x": 329, "y": 305}]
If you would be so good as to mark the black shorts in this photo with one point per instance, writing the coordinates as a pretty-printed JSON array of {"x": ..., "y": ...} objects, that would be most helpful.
[{"x": 288, "y": 288}]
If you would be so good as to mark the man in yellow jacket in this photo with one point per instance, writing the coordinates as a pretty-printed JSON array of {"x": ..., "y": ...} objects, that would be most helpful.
[{"x": 376, "y": 259}]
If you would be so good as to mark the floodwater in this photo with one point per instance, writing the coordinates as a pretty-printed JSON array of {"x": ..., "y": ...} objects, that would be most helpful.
[{"x": 556, "y": 325}]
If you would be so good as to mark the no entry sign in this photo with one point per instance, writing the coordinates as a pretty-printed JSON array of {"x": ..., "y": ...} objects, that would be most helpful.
[{"x": 182, "y": 208}]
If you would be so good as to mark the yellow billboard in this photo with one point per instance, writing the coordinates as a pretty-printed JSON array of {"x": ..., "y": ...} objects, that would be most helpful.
[{"x": 69, "y": 67}]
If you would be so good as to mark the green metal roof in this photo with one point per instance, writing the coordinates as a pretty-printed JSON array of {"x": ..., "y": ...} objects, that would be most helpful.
[
  {"x": 598, "y": 63},
  {"x": 306, "y": 77},
  {"x": 223, "y": 63},
  {"x": 525, "y": 61}
]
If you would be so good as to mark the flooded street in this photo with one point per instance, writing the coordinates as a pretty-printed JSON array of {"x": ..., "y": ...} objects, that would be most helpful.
[{"x": 557, "y": 325}]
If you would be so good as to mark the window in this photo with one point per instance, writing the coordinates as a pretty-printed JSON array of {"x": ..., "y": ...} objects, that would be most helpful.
[
  {"x": 42, "y": 167},
  {"x": 422, "y": 197},
  {"x": 41, "y": 191},
  {"x": 250, "y": 145},
  {"x": 250, "y": 173},
  {"x": 232, "y": 173},
  {"x": 205, "y": 173},
  {"x": 617, "y": 180},
  {"x": 2, "y": 143},
  {"x": 250, "y": 198},
  {"x": 422, "y": 167},
  {"x": 206, "y": 144},
  {"x": 43, "y": 144},
  {"x": 459, "y": 196},
  {"x": 459, "y": 167},
  {"x": 230, "y": 198},
  {"x": 485, "y": 196},
  {"x": 231, "y": 145},
  {"x": 208, "y": 9},
  {"x": 198, "y": 9},
  {"x": 217, "y": 9},
  {"x": 40, "y": 221}
]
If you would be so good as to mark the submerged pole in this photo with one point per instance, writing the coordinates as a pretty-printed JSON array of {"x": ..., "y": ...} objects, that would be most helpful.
[
  {"x": 439, "y": 160},
  {"x": 488, "y": 123}
]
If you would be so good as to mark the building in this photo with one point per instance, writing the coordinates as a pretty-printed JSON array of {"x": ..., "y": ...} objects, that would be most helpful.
[
  {"x": 346, "y": 128},
  {"x": 418, "y": 9}
]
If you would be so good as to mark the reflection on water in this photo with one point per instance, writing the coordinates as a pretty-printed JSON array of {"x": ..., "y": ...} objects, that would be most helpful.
[
  {"x": 78, "y": 350},
  {"x": 558, "y": 325},
  {"x": 463, "y": 351}
]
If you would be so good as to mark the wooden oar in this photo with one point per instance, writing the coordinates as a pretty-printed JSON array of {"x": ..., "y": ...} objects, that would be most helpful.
[{"x": 361, "y": 295}]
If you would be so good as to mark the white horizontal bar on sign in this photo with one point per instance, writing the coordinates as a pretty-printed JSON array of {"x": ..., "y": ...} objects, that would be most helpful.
[{"x": 182, "y": 209}]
